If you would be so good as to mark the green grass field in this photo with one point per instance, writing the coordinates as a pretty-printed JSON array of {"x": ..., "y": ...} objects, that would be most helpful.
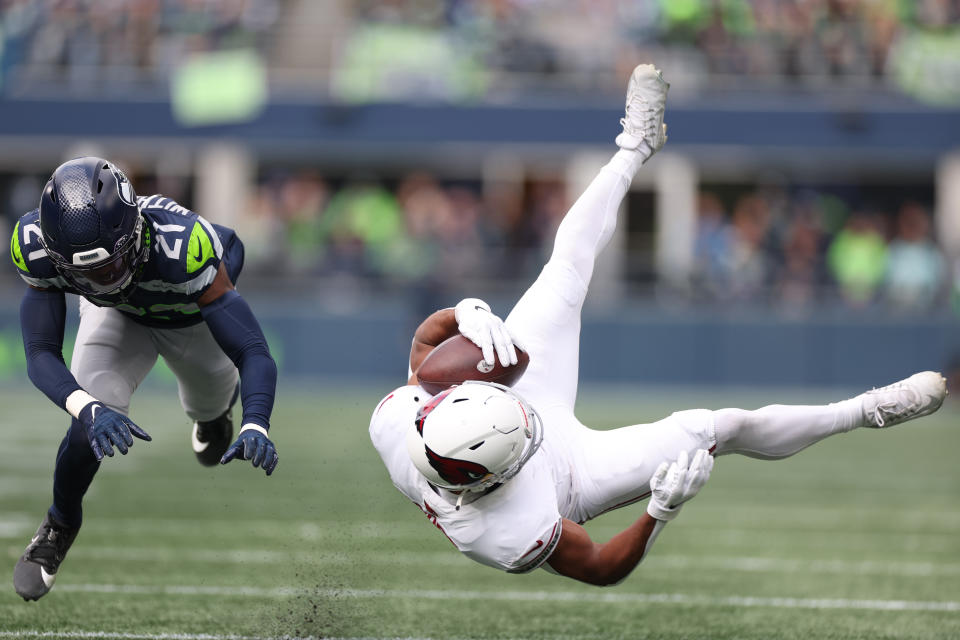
[{"x": 858, "y": 537}]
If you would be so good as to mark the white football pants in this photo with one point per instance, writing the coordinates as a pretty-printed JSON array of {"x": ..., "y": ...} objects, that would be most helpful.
[
  {"x": 113, "y": 354},
  {"x": 596, "y": 471}
]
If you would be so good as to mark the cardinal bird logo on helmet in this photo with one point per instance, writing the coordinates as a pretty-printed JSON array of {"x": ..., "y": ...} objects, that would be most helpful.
[{"x": 461, "y": 472}]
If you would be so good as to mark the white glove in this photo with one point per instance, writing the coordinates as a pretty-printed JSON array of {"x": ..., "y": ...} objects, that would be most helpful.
[
  {"x": 674, "y": 483},
  {"x": 478, "y": 324}
]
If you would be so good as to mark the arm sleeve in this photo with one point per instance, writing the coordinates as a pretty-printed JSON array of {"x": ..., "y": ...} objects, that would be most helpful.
[
  {"x": 236, "y": 330},
  {"x": 42, "y": 321}
]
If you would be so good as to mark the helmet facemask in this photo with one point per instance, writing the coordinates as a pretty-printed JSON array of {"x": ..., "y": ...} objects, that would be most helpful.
[{"x": 97, "y": 272}]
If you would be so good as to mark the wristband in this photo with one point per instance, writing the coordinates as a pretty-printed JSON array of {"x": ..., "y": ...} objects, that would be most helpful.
[
  {"x": 76, "y": 401},
  {"x": 253, "y": 427},
  {"x": 660, "y": 512}
]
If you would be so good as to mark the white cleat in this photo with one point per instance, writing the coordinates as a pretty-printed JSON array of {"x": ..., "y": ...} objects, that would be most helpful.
[
  {"x": 919, "y": 395},
  {"x": 643, "y": 118}
]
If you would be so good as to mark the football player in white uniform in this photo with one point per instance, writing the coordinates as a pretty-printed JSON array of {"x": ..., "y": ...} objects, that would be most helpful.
[{"x": 509, "y": 475}]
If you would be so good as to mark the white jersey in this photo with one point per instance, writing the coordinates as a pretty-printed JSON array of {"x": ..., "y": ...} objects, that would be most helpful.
[
  {"x": 515, "y": 527},
  {"x": 577, "y": 473}
]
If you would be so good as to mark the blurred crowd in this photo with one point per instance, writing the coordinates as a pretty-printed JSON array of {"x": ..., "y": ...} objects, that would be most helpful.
[
  {"x": 415, "y": 231},
  {"x": 783, "y": 247},
  {"x": 797, "y": 250},
  {"x": 698, "y": 41},
  {"x": 102, "y": 44},
  {"x": 789, "y": 248},
  {"x": 463, "y": 49}
]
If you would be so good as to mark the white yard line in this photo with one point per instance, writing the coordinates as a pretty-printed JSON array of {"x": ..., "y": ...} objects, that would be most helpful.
[
  {"x": 112, "y": 635},
  {"x": 603, "y": 597},
  {"x": 445, "y": 558},
  {"x": 124, "y": 636},
  {"x": 792, "y": 565},
  {"x": 19, "y": 524}
]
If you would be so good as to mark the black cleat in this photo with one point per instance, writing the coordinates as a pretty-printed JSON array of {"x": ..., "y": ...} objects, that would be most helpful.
[
  {"x": 211, "y": 439},
  {"x": 37, "y": 568}
]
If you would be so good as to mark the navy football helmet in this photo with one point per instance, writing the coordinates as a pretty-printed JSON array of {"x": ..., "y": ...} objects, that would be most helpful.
[{"x": 91, "y": 226}]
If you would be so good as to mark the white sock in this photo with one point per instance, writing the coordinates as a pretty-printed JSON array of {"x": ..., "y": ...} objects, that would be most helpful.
[
  {"x": 627, "y": 162},
  {"x": 778, "y": 431},
  {"x": 589, "y": 224}
]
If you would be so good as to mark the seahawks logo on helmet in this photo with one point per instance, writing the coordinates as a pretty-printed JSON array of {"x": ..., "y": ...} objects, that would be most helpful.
[
  {"x": 124, "y": 188},
  {"x": 121, "y": 242}
]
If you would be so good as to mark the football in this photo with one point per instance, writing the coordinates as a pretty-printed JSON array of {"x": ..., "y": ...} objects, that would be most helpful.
[{"x": 456, "y": 360}]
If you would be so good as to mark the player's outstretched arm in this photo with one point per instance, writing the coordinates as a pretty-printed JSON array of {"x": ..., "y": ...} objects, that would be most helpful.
[
  {"x": 580, "y": 558},
  {"x": 236, "y": 330},
  {"x": 42, "y": 320}
]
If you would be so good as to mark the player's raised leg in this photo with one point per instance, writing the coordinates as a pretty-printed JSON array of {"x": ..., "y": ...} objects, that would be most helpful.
[
  {"x": 546, "y": 320},
  {"x": 587, "y": 228},
  {"x": 112, "y": 355},
  {"x": 778, "y": 431}
]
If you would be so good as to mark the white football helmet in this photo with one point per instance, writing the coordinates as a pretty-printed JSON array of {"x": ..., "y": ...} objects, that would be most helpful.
[{"x": 473, "y": 436}]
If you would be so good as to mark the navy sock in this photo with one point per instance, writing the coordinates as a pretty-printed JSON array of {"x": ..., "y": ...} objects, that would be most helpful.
[{"x": 76, "y": 466}]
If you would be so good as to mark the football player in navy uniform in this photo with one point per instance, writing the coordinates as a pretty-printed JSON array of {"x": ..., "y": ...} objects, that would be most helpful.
[{"x": 154, "y": 279}]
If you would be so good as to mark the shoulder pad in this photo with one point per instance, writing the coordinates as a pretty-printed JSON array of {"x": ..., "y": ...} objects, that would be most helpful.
[
  {"x": 185, "y": 250},
  {"x": 29, "y": 256}
]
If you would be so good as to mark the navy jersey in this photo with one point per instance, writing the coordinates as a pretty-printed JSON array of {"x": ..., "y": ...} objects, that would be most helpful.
[{"x": 184, "y": 254}]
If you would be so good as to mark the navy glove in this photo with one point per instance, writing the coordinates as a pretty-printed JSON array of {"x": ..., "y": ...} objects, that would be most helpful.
[
  {"x": 254, "y": 445},
  {"x": 106, "y": 429}
]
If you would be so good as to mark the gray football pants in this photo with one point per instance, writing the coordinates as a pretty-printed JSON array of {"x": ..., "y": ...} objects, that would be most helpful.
[{"x": 113, "y": 354}]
